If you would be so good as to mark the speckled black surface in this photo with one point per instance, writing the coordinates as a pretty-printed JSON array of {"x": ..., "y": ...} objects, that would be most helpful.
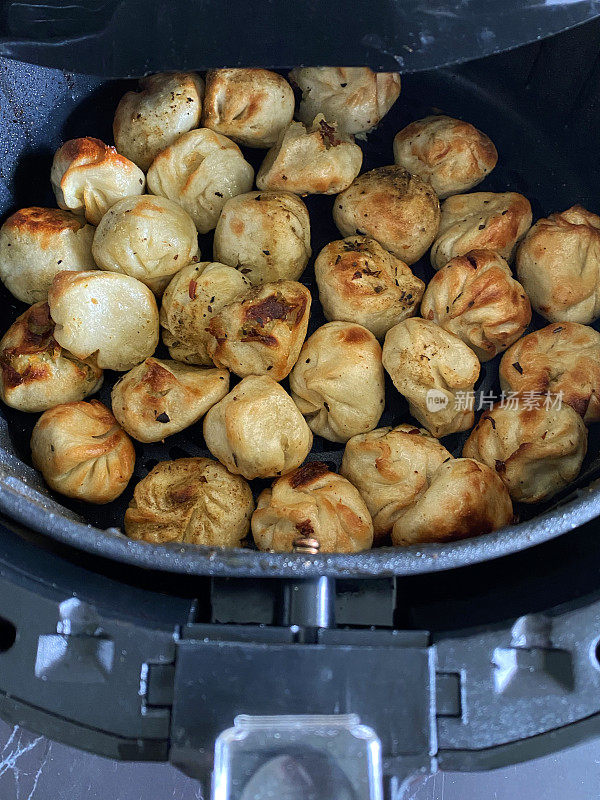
[{"x": 40, "y": 108}]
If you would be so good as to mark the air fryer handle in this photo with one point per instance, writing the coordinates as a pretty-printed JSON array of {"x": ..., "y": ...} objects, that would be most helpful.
[{"x": 381, "y": 677}]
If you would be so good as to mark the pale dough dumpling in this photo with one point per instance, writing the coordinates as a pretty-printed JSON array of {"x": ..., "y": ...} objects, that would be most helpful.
[
  {"x": 262, "y": 331},
  {"x": 355, "y": 97},
  {"x": 312, "y": 502},
  {"x": 111, "y": 317},
  {"x": 38, "y": 243},
  {"x": 266, "y": 235},
  {"x": 558, "y": 263},
  {"x": 481, "y": 221},
  {"x": 316, "y": 159},
  {"x": 169, "y": 104},
  {"x": 536, "y": 448},
  {"x": 435, "y": 371},
  {"x": 251, "y": 106},
  {"x": 192, "y": 297},
  {"x": 464, "y": 498},
  {"x": 35, "y": 372},
  {"x": 256, "y": 430},
  {"x": 150, "y": 238},
  {"x": 89, "y": 177},
  {"x": 391, "y": 467},
  {"x": 161, "y": 397},
  {"x": 475, "y": 297},
  {"x": 192, "y": 500},
  {"x": 361, "y": 282},
  {"x": 338, "y": 381},
  {"x": 561, "y": 359},
  {"x": 451, "y": 155},
  {"x": 397, "y": 209},
  {"x": 201, "y": 171},
  {"x": 82, "y": 452}
]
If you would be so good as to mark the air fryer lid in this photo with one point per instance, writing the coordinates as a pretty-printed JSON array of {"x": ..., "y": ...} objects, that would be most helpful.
[{"x": 123, "y": 38}]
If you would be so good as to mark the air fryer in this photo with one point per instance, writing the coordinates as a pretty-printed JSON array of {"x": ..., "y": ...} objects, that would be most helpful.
[{"x": 329, "y": 675}]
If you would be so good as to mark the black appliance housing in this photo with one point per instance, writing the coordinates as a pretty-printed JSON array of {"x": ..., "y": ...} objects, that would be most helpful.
[{"x": 137, "y": 652}]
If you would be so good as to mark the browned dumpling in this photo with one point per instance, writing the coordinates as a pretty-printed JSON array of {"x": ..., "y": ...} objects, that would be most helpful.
[
  {"x": 536, "y": 447},
  {"x": 391, "y": 467},
  {"x": 150, "y": 238},
  {"x": 312, "y": 502},
  {"x": 355, "y": 97},
  {"x": 201, "y": 170},
  {"x": 35, "y": 372},
  {"x": 338, "y": 381},
  {"x": 481, "y": 221},
  {"x": 451, "y": 155},
  {"x": 475, "y": 297},
  {"x": 82, "y": 452},
  {"x": 192, "y": 297},
  {"x": 256, "y": 430},
  {"x": 251, "y": 106},
  {"x": 38, "y": 243},
  {"x": 266, "y": 235},
  {"x": 161, "y": 397},
  {"x": 89, "y": 177},
  {"x": 316, "y": 159},
  {"x": 169, "y": 104},
  {"x": 561, "y": 359},
  {"x": 558, "y": 263},
  {"x": 397, "y": 209},
  {"x": 112, "y": 318},
  {"x": 262, "y": 331},
  {"x": 361, "y": 282},
  {"x": 463, "y": 498},
  {"x": 192, "y": 500},
  {"x": 435, "y": 371}
]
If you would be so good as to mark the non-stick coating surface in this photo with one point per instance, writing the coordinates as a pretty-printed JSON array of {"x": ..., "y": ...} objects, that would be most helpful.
[{"x": 44, "y": 107}]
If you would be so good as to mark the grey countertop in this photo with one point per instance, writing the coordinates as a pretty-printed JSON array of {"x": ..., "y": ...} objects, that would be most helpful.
[{"x": 34, "y": 768}]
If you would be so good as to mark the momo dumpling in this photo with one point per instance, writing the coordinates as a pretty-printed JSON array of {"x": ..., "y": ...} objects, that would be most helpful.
[
  {"x": 266, "y": 235},
  {"x": 250, "y": 106},
  {"x": 361, "y": 282},
  {"x": 481, "y": 221},
  {"x": 89, "y": 177},
  {"x": 390, "y": 467},
  {"x": 435, "y": 371},
  {"x": 193, "y": 296},
  {"x": 317, "y": 159},
  {"x": 161, "y": 397},
  {"x": 476, "y": 297},
  {"x": 561, "y": 359},
  {"x": 316, "y": 503},
  {"x": 451, "y": 155},
  {"x": 262, "y": 331},
  {"x": 169, "y": 104},
  {"x": 38, "y": 243},
  {"x": 558, "y": 263},
  {"x": 356, "y": 98},
  {"x": 201, "y": 171},
  {"x": 36, "y": 373},
  {"x": 256, "y": 430},
  {"x": 82, "y": 452},
  {"x": 389, "y": 204},
  {"x": 338, "y": 381},
  {"x": 149, "y": 238},
  {"x": 463, "y": 498},
  {"x": 536, "y": 448},
  {"x": 191, "y": 500},
  {"x": 112, "y": 318}
]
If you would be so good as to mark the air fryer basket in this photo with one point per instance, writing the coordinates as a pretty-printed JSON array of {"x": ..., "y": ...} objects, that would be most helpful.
[{"x": 537, "y": 113}]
